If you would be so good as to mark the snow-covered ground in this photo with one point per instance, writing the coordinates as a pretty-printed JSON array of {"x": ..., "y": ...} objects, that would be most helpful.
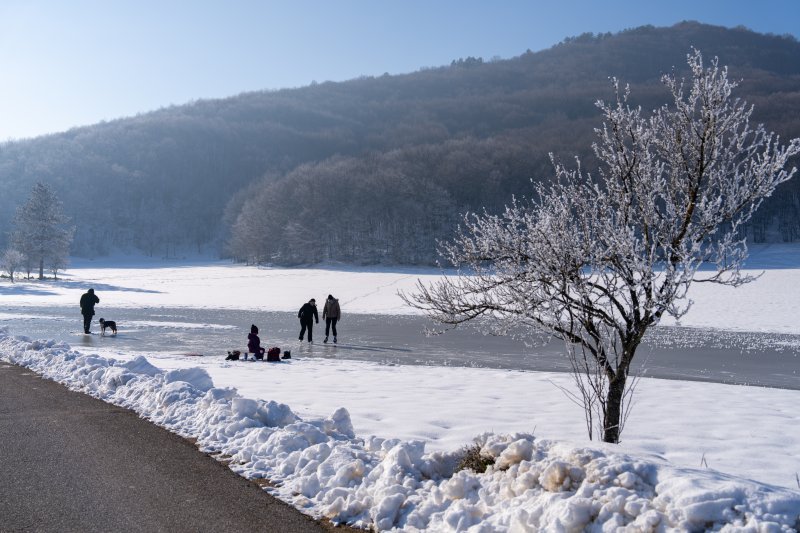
[
  {"x": 375, "y": 444},
  {"x": 771, "y": 304}
]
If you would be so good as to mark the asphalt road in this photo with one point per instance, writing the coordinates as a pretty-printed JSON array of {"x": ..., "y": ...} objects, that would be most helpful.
[{"x": 69, "y": 462}]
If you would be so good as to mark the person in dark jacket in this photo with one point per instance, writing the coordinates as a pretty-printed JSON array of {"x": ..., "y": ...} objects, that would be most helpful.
[
  {"x": 88, "y": 301},
  {"x": 331, "y": 314},
  {"x": 254, "y": 344},
  {"x": 308, "y": 315}
]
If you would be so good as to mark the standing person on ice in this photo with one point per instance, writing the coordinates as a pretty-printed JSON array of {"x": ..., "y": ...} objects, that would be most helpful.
[
  {"x": 88, "y": 301},
  {"x": 308, "y": 315},
  {"x": 331, "y": 314},
  {"x": 254, "y": 344}
]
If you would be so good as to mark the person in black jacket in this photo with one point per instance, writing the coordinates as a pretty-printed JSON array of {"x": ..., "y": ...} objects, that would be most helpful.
[
  {"x": 88, "y": 301},
  {"x": 254, "y": 344},
  {"x": 308, "y": 315}
]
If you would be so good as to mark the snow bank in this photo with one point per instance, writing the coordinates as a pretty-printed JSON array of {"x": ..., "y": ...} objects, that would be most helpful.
[{"x": 321, "y": 467}]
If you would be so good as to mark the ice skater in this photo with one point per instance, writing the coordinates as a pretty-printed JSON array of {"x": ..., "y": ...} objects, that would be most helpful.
[
  {"x": 331, "y": 314},
  {"x": 308, "y": 315}
]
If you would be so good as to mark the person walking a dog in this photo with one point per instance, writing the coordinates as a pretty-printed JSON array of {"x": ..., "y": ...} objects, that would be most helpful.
[
  {"x": 331, "y": 314},
  {"x": 307, "y": 315},
  {"x": 88, "y": 301}
]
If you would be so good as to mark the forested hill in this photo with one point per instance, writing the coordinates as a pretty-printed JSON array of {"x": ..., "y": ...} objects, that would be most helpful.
[{"x": 375, "y": 169}]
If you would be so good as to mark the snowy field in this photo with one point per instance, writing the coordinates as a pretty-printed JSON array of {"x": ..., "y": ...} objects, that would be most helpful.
[
  {"x": 373, "y": 444},
  {"x": 771, "y": 304}
]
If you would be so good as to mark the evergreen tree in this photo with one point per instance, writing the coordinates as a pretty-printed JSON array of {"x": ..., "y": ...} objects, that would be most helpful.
[{"x": 41, "y": 232}]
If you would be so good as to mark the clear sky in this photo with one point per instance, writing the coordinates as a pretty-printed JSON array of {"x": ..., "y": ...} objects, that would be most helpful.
[{"x": 77, "y": 62}]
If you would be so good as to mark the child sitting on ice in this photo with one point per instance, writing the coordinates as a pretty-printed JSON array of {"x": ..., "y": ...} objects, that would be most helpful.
[{"x": 254, "y": 344}]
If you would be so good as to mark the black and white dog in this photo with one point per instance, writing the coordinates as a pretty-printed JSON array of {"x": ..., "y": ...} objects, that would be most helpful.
[{"x": 107, "y": 324}]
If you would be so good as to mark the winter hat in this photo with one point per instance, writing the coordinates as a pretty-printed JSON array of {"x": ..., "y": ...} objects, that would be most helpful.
[
  {"x": 91, "y": 291},
  {"x": 254, "y": 329},
  {"x": 312, "y": 301},
  {"x": 330, "y": 297}
]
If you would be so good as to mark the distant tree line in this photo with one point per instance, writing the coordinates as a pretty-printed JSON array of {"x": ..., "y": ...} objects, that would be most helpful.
[
  {"x": 384, "y": 208},
  {"x": 377, "y": 168}
]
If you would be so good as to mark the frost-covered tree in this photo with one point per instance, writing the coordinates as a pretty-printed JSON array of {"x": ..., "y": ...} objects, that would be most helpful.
[
  {"x": 40, "y": 229},
  {"x": 11, "y": 261},
  {"x": 597, "y": 259},
  {"x": 58, "y": 261}
]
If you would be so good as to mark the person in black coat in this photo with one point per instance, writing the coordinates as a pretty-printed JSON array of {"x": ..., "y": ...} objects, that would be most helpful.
[
  {"x": 254, "y": 344},
  {"x": 308, "y": 315},
  {"x": 88, "y": 301}
]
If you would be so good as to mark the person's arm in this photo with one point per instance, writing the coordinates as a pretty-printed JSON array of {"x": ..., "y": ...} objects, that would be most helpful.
[{"x": 316, "y": 316}]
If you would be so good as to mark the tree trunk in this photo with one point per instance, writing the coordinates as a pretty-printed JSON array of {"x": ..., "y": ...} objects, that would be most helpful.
[
  {"x": 41, "y": 268},
  {"x": 613, "y": 411}
]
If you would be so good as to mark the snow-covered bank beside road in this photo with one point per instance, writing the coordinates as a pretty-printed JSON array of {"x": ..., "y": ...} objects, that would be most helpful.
[
  {"x": 747, "y": 431},
  {"x": 326, "y": 465}
]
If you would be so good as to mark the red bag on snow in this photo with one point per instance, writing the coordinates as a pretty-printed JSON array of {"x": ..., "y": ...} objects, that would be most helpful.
[{"x": 274, "y": 354}]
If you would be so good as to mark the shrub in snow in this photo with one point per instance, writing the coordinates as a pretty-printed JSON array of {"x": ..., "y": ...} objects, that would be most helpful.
[{"x": 474, "y": 459}]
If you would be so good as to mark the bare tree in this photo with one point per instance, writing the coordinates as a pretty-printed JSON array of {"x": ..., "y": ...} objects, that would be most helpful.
[
  {"x": 58, "y": 261},
  {"x": 11, "y": 261},
  {"x": 596, "y": 260},
  {"x": 40, "y": 231}
]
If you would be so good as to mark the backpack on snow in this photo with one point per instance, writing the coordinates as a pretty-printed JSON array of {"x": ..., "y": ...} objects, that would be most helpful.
[{"x": 274, "y": 354}]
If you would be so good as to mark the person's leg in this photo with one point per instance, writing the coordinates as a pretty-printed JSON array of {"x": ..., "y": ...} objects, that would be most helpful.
[
  {"x": 303, "y": 330},
  {"x": 310, "y": 330},
  {"x": 333, "y": 327},
  {"x": 87, "y": 323},
  {"x": 327, "y": 326}
]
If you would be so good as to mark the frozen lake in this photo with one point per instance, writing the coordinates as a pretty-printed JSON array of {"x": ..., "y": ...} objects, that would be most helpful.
[{"x": 751, "y": 358}]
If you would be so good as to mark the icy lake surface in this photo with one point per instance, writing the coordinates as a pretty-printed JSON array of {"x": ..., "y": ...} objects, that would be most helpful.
[{"x": 752, "y": 358}]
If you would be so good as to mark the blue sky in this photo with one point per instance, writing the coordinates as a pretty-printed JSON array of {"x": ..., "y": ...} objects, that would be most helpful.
[{"x": 77, "y": 62}]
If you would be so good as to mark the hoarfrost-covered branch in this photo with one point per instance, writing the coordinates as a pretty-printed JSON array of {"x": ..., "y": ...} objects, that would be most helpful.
[{"x": 598, "y": 259}]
